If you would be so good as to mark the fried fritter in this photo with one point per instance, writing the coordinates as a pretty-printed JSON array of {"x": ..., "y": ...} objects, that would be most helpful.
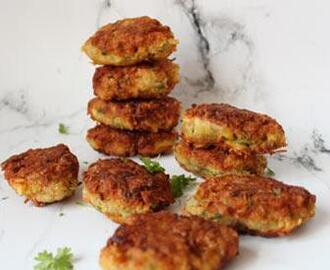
[
  {"x": 215, "y": 161},
  {"x": 166, "y": 241},
  {"x": 129, "y": 41},
  {"x": 253, "y": 204},
  {"x": 126, "y": 143},
  {"x": 120, "y": 188},
  {"x": 145, "y": 80},
  {"x": 238, "y": 129},
  {"x": 144, "y": 115},
  {"x": 43, "y": 175}
]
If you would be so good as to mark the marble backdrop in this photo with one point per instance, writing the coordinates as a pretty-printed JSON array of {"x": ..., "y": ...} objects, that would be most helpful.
[{"x": 268, "y": 56}]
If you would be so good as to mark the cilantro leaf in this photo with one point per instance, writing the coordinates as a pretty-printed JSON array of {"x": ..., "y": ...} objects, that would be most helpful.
[
  {"x": 179, "y": 183},
  {"x": 63, "y": 129},
  {"x": 270, "y": 172},
  {"x": 61, "y": 261},
  {"x": 152, "y": 166}
]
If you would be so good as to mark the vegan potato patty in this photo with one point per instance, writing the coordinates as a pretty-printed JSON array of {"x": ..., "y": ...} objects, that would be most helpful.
[
  {"x": 120, "y": 188},
  {"x": 238, "y": 129},
  {"x": 43, "y": 175},
  {"x": 129, "y": 41},
  {"x": 145, "y": 80},
  {"x": 253, "y": 204},
  {"x": 215, "y": 161},
  {"x": 143, "y": 115},
  {"x": 166, "y": 241},
  {"x": 130, "y": 143}
]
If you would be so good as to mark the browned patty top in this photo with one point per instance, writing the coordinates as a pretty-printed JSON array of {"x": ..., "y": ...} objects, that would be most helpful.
[
  {"x": 251, "y": 123},
  {"x": 171, "y": 236},
  {"x": 128, "y": 35},
  {"x": 253, "y": 195},
  {"x": 127, "y": 180},
  {"x": 53, "y": 163}
]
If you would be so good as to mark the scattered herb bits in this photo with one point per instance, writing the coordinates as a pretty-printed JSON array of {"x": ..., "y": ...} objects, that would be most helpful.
[{"x": 63, "y": 260}]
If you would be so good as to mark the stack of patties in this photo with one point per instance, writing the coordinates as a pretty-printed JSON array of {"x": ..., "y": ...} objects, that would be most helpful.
[
  {"x": 219, "y": 139},
  {"x": 135, "y": 115}
]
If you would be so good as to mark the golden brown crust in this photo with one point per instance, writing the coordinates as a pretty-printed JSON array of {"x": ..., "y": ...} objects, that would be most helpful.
[
  {"x": 132, "y": 40},
  {"x": 143, "y": 115},
  {"x": 215, "y": 161},
  {"x": 48, "y": 163},
  {"x": 144, "y": 80},
  {"x": 174, "y": 242},
  {"x": 253, "y": 204},
  {"x": 127, "y": 181},
  {"x": 253, "y": 131},
  {"x": 42, "y": 169},
  {"x": 130, "y": 143}
]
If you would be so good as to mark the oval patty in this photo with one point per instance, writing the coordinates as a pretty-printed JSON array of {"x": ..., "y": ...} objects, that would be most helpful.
[
  {"x": 239, "y": 130},
  {"x": 130, "y": 41},
  {"x": 166, "y": 241},
  {"x": 145, "y": 80},
  {"x": 143, "y": 115},
  {"x": 253, "y": 204},
  {"x": 215, "y": 161}
]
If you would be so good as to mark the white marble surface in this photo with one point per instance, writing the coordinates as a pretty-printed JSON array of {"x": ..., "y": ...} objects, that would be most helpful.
[{"x": 269, "y": 56}]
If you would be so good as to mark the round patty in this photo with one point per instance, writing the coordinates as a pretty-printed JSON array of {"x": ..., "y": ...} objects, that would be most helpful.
[
  {"x": 43, "y": 175},
  {"x": 253, "y": 204},
  {"x": 120, "y": 188},
  {"x": 129, "y": 41},
  {"x": 145, "y": 80},
  {"x": 143, "y": 115},
  {"x": 215, "y": 161},
  {"x": 238, "y": 129},
  {"x": 126, "y": 143},
  {"x": 166, "y": 241}
]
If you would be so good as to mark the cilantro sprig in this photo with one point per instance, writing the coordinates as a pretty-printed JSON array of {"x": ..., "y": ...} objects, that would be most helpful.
[
  {"x": 270, "y": 172},
  {"x": 63, "y": 129},
  {"x": 151, "y": 165},
  {"x": 63, "y": 260},
  {"x": 179, "y": 183}
]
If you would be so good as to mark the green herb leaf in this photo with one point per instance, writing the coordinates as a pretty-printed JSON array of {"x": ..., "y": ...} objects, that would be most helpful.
[
  {"x": 85, "y": 162},
  {"x": 179, "y": 183},
  {"x": 61, "y": 261},
  {"x": 61, "y": 214},
  {"x": 152, "y": 166},
  {"x": 270, "y": 172},
  {"x": 63, "y": 129},
  {"x": 217, "y": 217},
  {"x": 81, "y": 203}
]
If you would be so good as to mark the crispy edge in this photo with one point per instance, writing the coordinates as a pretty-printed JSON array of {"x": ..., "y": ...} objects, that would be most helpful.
[
  {"x": 130, "y": 41},
  {"x": 234, "y": 124},
  {"x": 144, "y": 80},
  {"x": 193, "y": 242},
  {"x": 107, "y": 181},
  {"x": 244, "y": 193},
  {"x": 215, "y": 161},
  {"x": 37, "y": 169},
  {"x": 127, "y": 143},
  {"x": 141, "y": 115}
]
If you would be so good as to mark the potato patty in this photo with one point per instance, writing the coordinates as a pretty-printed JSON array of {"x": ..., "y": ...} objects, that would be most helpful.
[
  {"x": 166, "y": 241},
  {"x": 129, "y": 41},
  {"x": 126, "y": 143},
  {"x": 143, "y": 115},
  {"x": 145, "y": 80},
  {"x": 120, "y": 188},
  {"x": 253, "y": 204},
  {"x": 43, "y": 175},
  {"x": 239, "y": 129},
  {"x": 215, "y": 161}
]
